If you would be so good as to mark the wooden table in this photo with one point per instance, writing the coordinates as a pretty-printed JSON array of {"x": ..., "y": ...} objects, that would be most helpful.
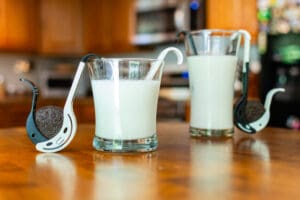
[{"x": 263, "y": 166}]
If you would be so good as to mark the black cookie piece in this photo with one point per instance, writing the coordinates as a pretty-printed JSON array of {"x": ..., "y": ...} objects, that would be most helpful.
[
  {"x": 49, "y": 120},
  {"x": 254, "y": 110}
]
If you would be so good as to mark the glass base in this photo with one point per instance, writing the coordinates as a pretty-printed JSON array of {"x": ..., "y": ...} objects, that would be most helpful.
[
  {"x": 137, "y": 145},
  {"x": 199, "y": 132}
]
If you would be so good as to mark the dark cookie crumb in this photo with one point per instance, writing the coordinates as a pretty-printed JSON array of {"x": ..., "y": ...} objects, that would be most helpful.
[
  {"x": 254, "y": 110},
  {"x": 49, "y": 120}
]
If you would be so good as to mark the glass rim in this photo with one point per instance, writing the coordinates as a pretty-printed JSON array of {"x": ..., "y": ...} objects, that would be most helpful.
[
  {"x": 226, "y": 31},
  {"x": 123, "y": 59}
]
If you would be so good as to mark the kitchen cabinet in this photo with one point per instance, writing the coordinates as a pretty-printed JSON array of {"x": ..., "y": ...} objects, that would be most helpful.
[
  {"x": 61, "y": 27},
  {"x": 18, "y": 25},
  {"x": 123, "y": 14},
  {"x": 107, "y": 25},
  {"x": 76, "y": 27},
  {"x": 66, "y": 27},
  {"x": 233, "y": 14},
  {"x": 97, "y": 25}
]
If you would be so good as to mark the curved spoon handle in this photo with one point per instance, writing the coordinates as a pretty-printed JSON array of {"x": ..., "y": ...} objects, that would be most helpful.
[{"x": 269, "y": 97}]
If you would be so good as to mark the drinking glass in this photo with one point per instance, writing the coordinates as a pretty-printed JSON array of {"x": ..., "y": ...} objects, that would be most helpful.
[
  {"x": 125, "y": 92},
  {"x": 212, "y": 63}
]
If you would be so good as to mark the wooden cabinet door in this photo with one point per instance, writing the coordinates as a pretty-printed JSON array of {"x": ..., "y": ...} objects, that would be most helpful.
[
  {"x": 66, "y": 27},
  {"x": 3, "y": 20},
  {"x": 107, "y": 25},
  {"x": 123, "y": 15},
  {"x": 18, "y": 25},
  {"x": 233, "y": 14},
  {"x": 97, "y": 26},
  {"x": 61, "y": 27}
]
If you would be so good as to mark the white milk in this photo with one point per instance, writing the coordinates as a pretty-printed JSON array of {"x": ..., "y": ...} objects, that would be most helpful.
[
  {"x": 211, "y": 85},
  {"x": 125, "y": 109}
]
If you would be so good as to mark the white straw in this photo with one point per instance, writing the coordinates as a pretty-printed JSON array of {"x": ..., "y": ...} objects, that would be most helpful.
[{"x": 161, "y": 58}]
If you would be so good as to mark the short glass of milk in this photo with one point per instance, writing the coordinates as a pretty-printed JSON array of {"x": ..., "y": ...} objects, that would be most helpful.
[
  {"x": 125, "y": 100},
  {"x": 212, "y": 63}
]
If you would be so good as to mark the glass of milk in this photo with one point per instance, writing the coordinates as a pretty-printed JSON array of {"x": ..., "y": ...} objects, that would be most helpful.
[
  {"x": 212, "y": 63},
  {"x": 125, "y": 100}
]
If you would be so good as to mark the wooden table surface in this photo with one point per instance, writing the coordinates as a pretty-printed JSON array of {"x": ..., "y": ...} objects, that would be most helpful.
[{"x": 264, "y": 166}]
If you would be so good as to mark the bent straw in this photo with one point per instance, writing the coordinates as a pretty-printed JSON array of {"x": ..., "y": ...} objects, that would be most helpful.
[{"x": 161, "y": 58}]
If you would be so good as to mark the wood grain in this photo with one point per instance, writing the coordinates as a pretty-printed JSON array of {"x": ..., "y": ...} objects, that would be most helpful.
[
  {"x": 61, "y": 27},
  {"x": 108, "y": 26},
  {"x": 233, "y": 14},
  {"x": 18, "y": 25},
  {"x": 262, "y": 166}
]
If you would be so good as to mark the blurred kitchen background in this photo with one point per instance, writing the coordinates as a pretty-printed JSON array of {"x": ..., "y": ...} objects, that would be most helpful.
[{"x": 43, "y": 41}]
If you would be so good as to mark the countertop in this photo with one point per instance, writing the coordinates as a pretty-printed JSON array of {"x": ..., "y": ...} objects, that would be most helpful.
[{"x": 261, "y": 166}]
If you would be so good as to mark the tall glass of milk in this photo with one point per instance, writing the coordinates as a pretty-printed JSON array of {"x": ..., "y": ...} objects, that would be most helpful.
[
  {"x": 212, "y": 63},
  {"x": 125, "y": 100}
]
